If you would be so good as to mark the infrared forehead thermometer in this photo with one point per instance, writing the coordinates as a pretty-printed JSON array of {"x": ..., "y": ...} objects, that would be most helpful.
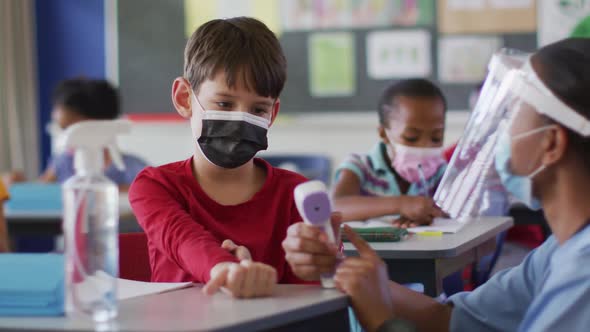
[{"x": 314, "y": 206}]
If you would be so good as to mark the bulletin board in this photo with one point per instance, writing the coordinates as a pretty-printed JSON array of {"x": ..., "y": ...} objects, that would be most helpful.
[
  {"x": 495, "y": 16},
  {"x": 152, "y": 35}
]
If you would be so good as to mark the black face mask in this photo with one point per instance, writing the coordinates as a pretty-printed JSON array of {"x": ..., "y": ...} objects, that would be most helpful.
[{"x": 231, "y": 139}]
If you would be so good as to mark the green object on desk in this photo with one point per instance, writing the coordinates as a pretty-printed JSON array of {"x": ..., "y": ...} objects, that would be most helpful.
[{"x": 379, "y": 234}]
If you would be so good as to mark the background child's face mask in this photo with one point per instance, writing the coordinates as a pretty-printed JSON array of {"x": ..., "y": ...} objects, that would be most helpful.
[
  {"x": 230, "y": 139},
  {"x": 405, "y": 161}
]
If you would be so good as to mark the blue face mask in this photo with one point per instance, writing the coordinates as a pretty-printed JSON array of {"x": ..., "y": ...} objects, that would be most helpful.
[{"x": 521, "y": 187}]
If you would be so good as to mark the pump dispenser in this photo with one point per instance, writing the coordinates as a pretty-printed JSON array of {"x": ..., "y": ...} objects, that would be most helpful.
[{"x": 91, "y": 219}]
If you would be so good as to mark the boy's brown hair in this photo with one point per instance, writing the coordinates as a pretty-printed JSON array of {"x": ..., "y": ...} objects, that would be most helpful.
[{"x": 244, "y": 48}]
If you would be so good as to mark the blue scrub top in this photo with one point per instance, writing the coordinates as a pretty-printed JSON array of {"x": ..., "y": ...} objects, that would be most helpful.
[{"x": 548, "y": 291}]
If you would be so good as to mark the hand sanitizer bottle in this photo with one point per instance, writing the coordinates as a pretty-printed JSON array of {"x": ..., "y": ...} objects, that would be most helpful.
[{"x": 90, "y": 221}]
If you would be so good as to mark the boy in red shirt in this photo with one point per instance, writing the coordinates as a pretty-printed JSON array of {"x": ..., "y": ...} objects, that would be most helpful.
[{"x": 234, "y": 71}]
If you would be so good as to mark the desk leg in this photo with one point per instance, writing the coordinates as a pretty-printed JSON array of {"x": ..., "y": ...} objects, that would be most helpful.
[
  {"x": 430, "y": 272},
  {"x": 405, "y": 271},
  {"x": 333, "y": 321}
]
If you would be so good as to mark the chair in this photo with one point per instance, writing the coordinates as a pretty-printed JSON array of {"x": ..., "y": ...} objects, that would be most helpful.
[
  {"x": 525, "y": 216},
  {"x": 134, "y": 261},
  {"x": 482, "y": 270},
  {"x": 313, "y": 167},
  {"x": 500, "y": 240}
]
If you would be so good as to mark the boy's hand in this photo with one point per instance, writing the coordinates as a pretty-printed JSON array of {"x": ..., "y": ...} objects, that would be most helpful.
[
  {"x": 241, "y": 252},
  {"x": 417, "y": 210},
  {"x": 308, "y": 250},
  {"x": 244, "y": 280},
  {"x": 366, "y": 281}
]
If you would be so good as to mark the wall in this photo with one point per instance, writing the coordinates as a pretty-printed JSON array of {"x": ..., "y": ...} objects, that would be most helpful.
[
  {"x": 335, "y": 135},
  {"x": 70, "y": 43}
]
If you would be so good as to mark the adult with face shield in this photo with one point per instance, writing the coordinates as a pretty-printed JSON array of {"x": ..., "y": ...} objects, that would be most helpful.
[{"x": 542, "y": 158}]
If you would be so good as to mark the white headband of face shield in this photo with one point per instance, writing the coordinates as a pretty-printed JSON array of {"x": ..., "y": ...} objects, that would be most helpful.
[{"x": 534, "y": 92}]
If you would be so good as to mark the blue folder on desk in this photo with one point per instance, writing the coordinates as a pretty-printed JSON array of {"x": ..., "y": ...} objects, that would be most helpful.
[
  {"x": 31, "y": 285},
  {"x": 34, "y": 197}
]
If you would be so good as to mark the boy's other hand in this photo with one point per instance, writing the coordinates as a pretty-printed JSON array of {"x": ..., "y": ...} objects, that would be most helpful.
[
  {"x": 308, "y": 250},
  {"x": 416, "y": 211},
  {"x": 246, "y": 279},
  {"x": 241, "y": 252},
  {"x": 365, "y": 280}
]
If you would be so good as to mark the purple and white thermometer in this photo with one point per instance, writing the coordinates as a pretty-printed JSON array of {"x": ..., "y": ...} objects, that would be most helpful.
[{"x": 314, "y": 206}]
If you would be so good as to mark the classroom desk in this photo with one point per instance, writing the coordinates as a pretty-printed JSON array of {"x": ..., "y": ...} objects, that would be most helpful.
[
  {"x": 33, "y": 223},
  {"x": 293, "y": 308},
  {"x": 428, "y": 259},
  {"x": 49, "y": 222}
]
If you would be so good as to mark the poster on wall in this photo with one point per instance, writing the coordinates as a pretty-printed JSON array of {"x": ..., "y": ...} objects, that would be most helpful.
[
  {"x": 487, "y": 16},
  {"x": 511, "y": 4},
  {"x": 332, "y": 14},
  {"x": 464, "y": 59},
  {"x": 332, "y": 64},
  {"x": 379, "y": 13},
  {"x": 559, "y": 19},
  {"x": 299, "y": 15},
  {"x": 398, "y": 54},
  {"x": 458, "y": 5},
  {"x": 412, "y": 12}
]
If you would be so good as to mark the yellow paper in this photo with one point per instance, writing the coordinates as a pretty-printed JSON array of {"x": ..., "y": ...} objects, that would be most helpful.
[{"x": 432, "y": 233}]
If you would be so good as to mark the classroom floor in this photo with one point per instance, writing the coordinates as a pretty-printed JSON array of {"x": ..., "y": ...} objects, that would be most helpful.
[{"x": 512, "y": 255}]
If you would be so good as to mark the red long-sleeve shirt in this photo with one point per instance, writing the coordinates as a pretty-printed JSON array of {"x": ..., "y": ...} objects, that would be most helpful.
[{"x": 185, "y": 227}]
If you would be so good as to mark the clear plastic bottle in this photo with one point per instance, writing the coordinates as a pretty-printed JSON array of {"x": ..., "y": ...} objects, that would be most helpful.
[{"x": 91, "y": 219}]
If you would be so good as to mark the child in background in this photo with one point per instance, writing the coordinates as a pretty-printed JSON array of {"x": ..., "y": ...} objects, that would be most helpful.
[
  {"x": 78, "y": 100},
  {"x": 388, "y": 181},
  {"x": 3, "y": 231},
  {"x": 234, "y": 72}
]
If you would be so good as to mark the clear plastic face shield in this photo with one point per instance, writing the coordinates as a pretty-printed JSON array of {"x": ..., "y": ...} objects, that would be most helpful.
[
  {"x": 471, "y": 186},
  {"x": 479, "y": 177}
]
